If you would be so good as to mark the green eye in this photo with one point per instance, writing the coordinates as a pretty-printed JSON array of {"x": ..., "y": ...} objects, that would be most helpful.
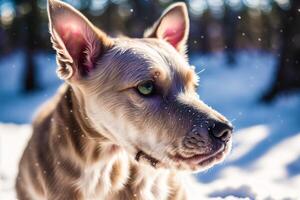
[{"x": 146, "y": 88}]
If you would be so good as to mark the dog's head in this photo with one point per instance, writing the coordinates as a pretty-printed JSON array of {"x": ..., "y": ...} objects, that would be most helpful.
[{"x": 141, "y": 93}]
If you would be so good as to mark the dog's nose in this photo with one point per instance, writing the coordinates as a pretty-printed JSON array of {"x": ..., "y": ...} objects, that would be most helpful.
[{"x": 221, "y": 130}]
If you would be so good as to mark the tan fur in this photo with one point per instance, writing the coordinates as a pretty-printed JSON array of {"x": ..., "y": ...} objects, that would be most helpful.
[
  {"x": 65, "y": 163},
  {"x": 98, "y": 138}
]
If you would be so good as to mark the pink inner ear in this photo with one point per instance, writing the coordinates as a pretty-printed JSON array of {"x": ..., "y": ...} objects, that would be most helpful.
[
  {"x": 80, "y": 43},
  {"x": 72, "y": 37},
  {"x": 172, "y": 29},
  {"x": 174, "y": 35}
]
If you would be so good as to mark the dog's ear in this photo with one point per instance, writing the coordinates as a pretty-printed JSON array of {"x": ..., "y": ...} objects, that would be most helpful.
[
  {"x": 77, "y": 42},
  {"x": 172, "y": 26}
]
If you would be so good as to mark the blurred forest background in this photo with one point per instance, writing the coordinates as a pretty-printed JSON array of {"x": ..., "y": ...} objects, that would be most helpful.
[{"x": 216, "y": 25}]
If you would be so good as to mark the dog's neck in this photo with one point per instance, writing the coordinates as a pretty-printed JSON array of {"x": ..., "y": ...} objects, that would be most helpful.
[
  {"x": 70, "y": 114},
  {"x": 106, "y": 167}
]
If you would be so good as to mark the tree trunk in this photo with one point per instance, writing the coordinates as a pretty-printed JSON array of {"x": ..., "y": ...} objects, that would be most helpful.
[
  {"x": 287, "y": 77},
  {"x": 31, "y": 21}
]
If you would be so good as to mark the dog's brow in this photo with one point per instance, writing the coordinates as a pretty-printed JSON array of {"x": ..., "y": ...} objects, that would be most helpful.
[{"x": 131, "y": 66}]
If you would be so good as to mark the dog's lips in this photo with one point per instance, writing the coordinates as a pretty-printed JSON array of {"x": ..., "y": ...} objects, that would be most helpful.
[
  {"x": 203, "y": 159},
  {"x": 194, "y": 161}
]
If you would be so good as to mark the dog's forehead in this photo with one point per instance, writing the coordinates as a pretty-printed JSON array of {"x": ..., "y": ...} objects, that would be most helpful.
[
  {"x": 144, "y": 55},
  {"x": 154, "y": 50}
]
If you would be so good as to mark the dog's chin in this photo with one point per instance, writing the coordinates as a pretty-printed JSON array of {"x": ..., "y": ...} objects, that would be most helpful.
[{"x": 195, "y": 163}]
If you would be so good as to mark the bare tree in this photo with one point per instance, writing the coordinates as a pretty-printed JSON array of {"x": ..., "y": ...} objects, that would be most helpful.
[
  {"x": 29, "y": 31},
  {"x": 287, "y": 78}
]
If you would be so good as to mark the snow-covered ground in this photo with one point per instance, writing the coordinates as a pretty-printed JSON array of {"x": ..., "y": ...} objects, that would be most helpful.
[{"x": 265, "y": 160}]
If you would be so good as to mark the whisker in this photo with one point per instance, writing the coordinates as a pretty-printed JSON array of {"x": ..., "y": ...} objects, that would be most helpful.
[{"x": 201, "y": 71}]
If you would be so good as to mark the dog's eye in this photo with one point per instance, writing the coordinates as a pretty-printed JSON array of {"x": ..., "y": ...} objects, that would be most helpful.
[{"x": 146, "y": 88}]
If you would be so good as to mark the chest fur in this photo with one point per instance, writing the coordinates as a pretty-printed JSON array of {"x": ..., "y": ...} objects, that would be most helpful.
[{"x": 120, "y": 179}]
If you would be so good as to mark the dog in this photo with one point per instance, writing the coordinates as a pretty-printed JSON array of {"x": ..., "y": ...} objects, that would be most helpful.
[{"x": 127, "y": 123}]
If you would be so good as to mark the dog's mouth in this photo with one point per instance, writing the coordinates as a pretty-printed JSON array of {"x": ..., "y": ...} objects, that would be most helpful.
[
  {"x": 205, "y": 159},
  {"x": 195, "y": 161}
]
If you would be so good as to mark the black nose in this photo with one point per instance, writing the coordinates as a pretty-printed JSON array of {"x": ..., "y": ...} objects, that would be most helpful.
[{"x": 221, "y": 130}]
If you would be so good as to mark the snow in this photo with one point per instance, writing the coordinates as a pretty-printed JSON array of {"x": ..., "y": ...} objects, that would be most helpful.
[
  {"x": 13, "y": 139},
  {"x": 264, "y": 162}
]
